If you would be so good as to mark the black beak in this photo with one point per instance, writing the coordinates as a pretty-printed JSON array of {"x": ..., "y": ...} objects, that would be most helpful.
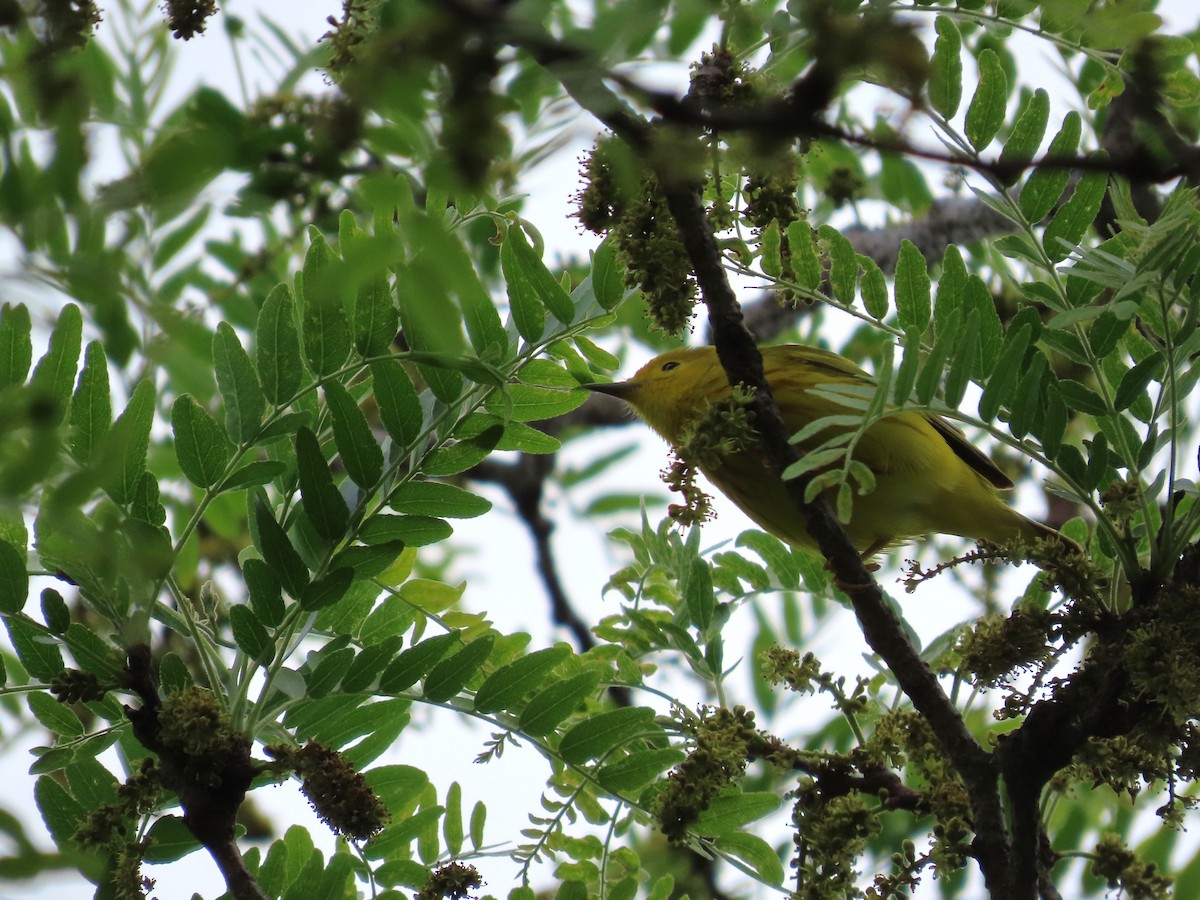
[{"x": 618, "y": 389}]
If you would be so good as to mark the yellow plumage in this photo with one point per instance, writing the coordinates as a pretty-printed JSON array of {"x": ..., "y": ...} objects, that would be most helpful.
[{"x": 929, "y": 478}]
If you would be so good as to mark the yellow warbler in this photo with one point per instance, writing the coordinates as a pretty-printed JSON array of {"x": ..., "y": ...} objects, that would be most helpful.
[{"x": 928, "y": 476}]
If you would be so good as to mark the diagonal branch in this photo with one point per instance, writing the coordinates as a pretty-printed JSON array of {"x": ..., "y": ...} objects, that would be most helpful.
[
  {"x": 743, "y": 363},
  {"x": 524, "y": 481}
]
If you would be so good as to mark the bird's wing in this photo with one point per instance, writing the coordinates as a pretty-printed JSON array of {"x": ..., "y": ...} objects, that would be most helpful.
[
  {"x": 969, "y": 453},
  {"x": 892, "y": 433}
]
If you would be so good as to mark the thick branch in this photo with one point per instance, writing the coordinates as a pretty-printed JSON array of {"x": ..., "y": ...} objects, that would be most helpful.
[
  {"x": 880, "y": 624},
  {"x": 210, "y": 790},
  {"x": 954, "y": 220}
]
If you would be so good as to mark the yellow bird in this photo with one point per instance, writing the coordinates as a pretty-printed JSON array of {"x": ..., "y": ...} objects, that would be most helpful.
[{"x": 928, "y": 477}]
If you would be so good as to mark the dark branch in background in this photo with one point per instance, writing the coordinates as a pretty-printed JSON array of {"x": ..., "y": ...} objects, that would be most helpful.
[
  {"x": 793, "y": 117},
  {"x": 956, "y": 220},
  {"x": 524, "y": 482}
]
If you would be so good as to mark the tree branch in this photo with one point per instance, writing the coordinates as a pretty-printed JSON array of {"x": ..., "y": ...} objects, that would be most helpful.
[
  {"x": 524, "y": 481},
  {"x": 743, "y": 364}
]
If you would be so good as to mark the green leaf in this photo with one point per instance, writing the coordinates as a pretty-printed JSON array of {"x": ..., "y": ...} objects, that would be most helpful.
[
  {"x": 699, "y": 598},
  {"x": 369, "y": 664},
  {"x": 264, "y": 589},
  {"x": 412, "y": 531},
  {"x": 484, "y": 328},
  {"x": 92, "y": 653},
  {"x": 843, "y": 264},
  {"x": 594, "y": 737},
  {"x": 399, "y": 405},
  {"x": 367, "y": 562},
  {"x": 945, "y": 70},
  {"x": 806, "y": 266},
  {"x": 37, "y": 650},
  {"x": 1026, "y": 135},
  {"x": 964, "y": 361},
  {"x": 201, "y": 447},
  {"x": 930, "y": 376},
  {"x": 55, "y": 612},
  {"x": 278, "y": 551},
  {"x": 1054, "y": 421},
  {"x": 261, "y": 471},
  {"x": 1046, "y": 184},
  {"x": 16, "y": 344},
  {"x": 153, "y": 555},
  {"x": 277, "y": 346},
  {"x": 332, "y": 663},
  {"x": 913, "y": 292},
  {"x": 545, "y": 286},
  {"x": 91, "y": 783},
  {"x": 250, "y": 635},
  {"x": 527, "y": 403},
  {"x": 1074, "y": 217},
  {"x": 980, "y": 302},
  {"x": 323, "y": 502},
  {"x": 985, "y": 114},
  {"x": 638, "y": 769},
  {"x": 906, "y": 375},
  {"x": 375, "y": 318},
  {"x": 360, "y": 453},
  {"x": 436, "y": 498},
  {"x": 873, "y": 288},
  {"x": 287, "y": 423},
  {"x": 168, "y": 840},
  {"x": 548, "y": 373},
  {"x": 525, "y": 439},
  {"x": 90, "y": 415},
  {"x": 452, "y": 827},
  {"x": 14, "y": 579},
  {"x": 170, "y": 243},
  {"x": 62, "y": 813},
  {"x": 1003, "y": 380},
  {"x": 505, "y": 687},
  {"x": 54, "y": 374},
  {"x": 328, "y": 589},
  {"x": 528, "y": 313},
  {"x": 123, "y": 460},
  {"x": 325, "y": 329},
  {"x": 477, "y": 824},
  {"x": 238, "y": 384},
  {"x": 951, "y": 294},
  {"x": 411, "y": 666},
  {"x": 451, "y": 675},
  {"x": 608, "y": 280},
  {"x": 770, "y": 245},
  {"x": 1026, "y": 399},
  {"x": 430, "y": 595},
  {"x": 733, "y": 810},
  {"x": 755, "y": 853},
  {"x": 1106, "y": 332},
  {"x": 459, "y": 456},
  {"x": 550, "y": 706},
  {"x": 1082, "y": 399},
  {"x": 1134, "y": 382},
  {"x": 57, "y": 717}
]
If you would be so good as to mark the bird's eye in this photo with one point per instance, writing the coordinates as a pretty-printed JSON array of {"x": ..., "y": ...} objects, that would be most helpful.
[{"x": 668, "y": 366}]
